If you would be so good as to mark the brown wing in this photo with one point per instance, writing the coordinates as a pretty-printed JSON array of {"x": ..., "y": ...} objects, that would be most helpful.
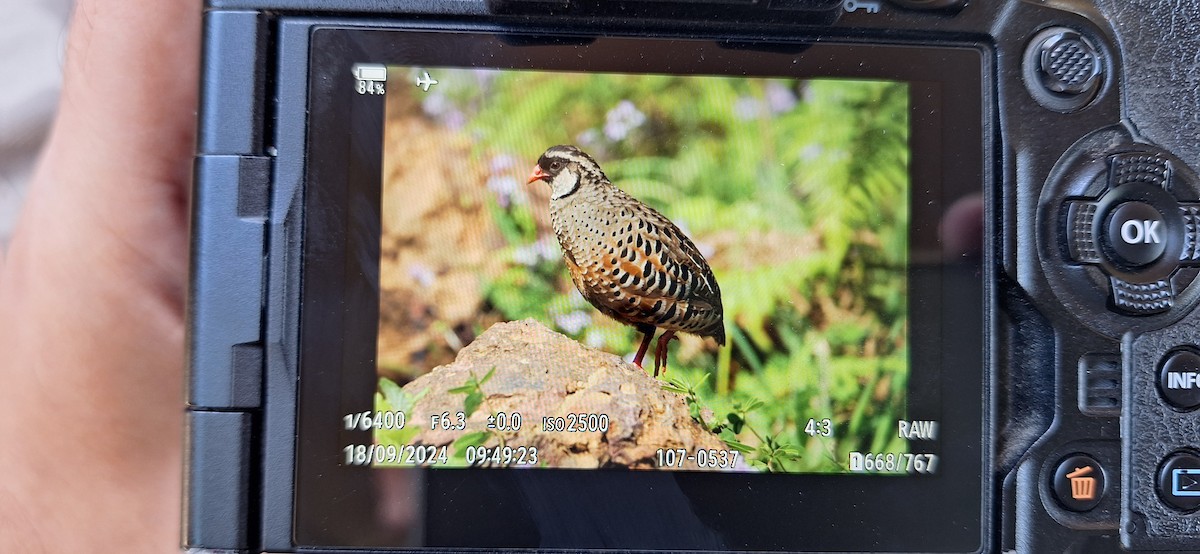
[{"x": 647, "y": 273}]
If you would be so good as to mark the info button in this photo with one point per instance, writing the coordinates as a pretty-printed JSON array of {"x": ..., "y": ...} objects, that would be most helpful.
[
  {"x": 1179, "y": 379},
  {"x": 1136, "y": 234}
]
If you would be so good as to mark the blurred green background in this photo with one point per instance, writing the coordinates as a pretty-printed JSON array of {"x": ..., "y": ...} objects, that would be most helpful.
[{"x": 796, "y": 191}]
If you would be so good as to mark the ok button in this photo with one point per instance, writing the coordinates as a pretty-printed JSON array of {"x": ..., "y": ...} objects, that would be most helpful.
[{"x": 1136, "y": 234}]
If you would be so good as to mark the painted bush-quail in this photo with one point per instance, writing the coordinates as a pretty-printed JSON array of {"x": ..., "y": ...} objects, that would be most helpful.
[{"x": 627, "y": 259}]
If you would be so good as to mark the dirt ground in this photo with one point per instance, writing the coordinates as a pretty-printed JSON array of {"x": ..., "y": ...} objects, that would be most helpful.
[{"x": 438, "y": 240}]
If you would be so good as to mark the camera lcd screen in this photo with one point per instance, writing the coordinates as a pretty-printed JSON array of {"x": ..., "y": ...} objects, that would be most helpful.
[
  {"x": 794, "y": 194},
  {"x": 562, "y": 275}
]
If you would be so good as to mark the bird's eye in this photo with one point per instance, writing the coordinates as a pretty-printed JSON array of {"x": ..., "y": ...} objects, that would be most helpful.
[{"x": 555, "y": 165}]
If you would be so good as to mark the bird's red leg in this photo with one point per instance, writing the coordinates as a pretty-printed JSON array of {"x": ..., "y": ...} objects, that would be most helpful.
[
  {"x": 641, "y": 353},
  {"x": 660, "y": 353}
]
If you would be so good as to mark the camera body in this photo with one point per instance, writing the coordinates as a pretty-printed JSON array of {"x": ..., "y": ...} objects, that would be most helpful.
[{"x": 1052, "y": 248}]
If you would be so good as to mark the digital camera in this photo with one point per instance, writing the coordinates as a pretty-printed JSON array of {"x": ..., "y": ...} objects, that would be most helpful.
[{"x": 922, "y": 275}]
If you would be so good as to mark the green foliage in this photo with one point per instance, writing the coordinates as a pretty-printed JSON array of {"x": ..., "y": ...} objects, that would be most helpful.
[
  {"x": 390, "y": 398},
  {"x": 798, "y": 192},
  {"x": 473, "y": 392},
  {"x": 474, "y": 438}
]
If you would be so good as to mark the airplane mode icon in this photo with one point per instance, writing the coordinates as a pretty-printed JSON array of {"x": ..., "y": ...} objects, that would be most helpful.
[{"x": 425, "y": 81}]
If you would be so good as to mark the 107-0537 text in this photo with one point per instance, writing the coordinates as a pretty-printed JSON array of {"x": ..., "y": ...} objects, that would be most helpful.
[{"x": 708, "y": 458}]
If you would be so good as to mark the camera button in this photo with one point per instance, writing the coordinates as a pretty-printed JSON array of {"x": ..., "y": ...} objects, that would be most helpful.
[
  {"x": 1078, "y": 483},
  {"x": 1179, "y": 379},
  {"x": 1136, "y": 234},
  {"x": 1063, "y": 69},
  {"x": 1068, "y": 62},
  {"x": 1179, "y": 481}
]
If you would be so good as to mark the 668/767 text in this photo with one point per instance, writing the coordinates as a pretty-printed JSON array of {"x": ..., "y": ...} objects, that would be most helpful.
[{"x": 893, "y": 462}]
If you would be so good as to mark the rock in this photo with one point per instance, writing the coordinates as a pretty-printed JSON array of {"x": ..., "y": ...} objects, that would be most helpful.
[{"x": 540, "y": 373}]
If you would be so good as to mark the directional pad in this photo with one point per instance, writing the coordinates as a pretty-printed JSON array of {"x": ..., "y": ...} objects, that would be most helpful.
[
  {"x": 1142, "y": 299},
  {"x": 1081, "y": 240},
  {"x": 1136, "y": 232},
  {"x": 1191, "y": 233}
]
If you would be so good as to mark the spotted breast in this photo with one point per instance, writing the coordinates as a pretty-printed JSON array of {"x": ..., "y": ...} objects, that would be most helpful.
[{"x": 630, "y": 261}]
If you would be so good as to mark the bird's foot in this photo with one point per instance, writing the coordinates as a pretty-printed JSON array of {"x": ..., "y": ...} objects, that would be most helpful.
[
  {"x": 660, "y": 352},
  {"x": 641, "y": 353}
]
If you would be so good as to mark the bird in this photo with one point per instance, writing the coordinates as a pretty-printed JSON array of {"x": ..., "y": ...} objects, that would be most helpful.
[{"x": 627, "y": 259}]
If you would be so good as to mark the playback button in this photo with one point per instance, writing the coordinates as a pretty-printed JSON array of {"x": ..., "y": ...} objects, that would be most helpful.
[{"x": 1179, "y": 481}]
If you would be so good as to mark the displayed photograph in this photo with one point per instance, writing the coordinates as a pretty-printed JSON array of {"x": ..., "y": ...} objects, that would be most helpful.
[{"x": 651, "y": 272}]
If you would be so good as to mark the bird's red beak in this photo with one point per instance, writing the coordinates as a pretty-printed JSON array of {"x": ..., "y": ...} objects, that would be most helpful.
[{"x": 537, "y": 175}]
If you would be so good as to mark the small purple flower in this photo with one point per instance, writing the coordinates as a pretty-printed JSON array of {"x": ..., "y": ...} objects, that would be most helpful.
[
  {"x": 422, "y": 274},
  {"x": 780, "y": 98},
  {"x": 545, "y": 250},
  {"x": 440, "y": 108},
  {"x": 811, "y": 152},
  {"x": 505, "y": 187},
  {"x": 454, "y": 120},
  {"x": 435, "y": 105},
  {"x": 525, "y": 255},
  {"x": 808, "y": 94},
  {"x": 589, "y": 137},
  {"x": 573, "y": 322},
  {"x": 748, "y": 107},
  {"x": 596, "y": 338},
  {"x": 484, "y": 77},
  {"x": 501, "y": 163},
  {"x": 621, "y": 120},
  {"x": 531, "y": 254}
]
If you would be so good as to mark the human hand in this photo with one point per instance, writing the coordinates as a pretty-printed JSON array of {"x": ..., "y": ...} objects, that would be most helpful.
[{"x": 91, "y": 294}]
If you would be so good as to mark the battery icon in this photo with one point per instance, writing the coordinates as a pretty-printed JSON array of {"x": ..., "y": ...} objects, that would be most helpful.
[{"x": 370, "y": 72}]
